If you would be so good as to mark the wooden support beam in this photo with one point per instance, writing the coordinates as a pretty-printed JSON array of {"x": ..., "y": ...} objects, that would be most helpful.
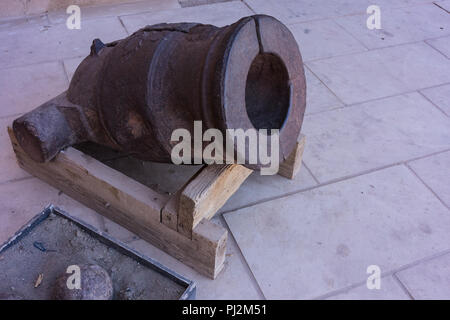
[
  {"x": 291, "y": 166},
  {"x": 169, "y": 213},
  {"x": 207, "y": 193},
  {"x": 130, "y": 204}
]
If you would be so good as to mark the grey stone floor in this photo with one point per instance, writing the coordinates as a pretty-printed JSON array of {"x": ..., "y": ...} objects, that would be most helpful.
[{"x": 374, "y": 188}]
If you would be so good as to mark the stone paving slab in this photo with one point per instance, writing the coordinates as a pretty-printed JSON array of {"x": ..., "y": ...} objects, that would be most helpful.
[
  {"x": 70, "y": 65},
  {"x": 30, "y": 86},
  {"x": 324, "y": 39},
  {"x": 290, "y": 11},
  {"x": 445, "y": 5},
  {"x": 383, "y": 72},
  {"x": 11, "y": 8},
  {"x": 390, "y": 289},
  {"x": 442, "y": 45},
  {"x": 440, "y": 96},
  {"x": 399, "y": 26},
  {"x": 22, "y": 200},
  {"x": 374, "y": 134},
  {"x": 312, "y": 243},
  {"x": 318, "y": 97},
  {"x": 234, "y": 281},
  {"x": 259, "y": 188},
  {"x": 192, "y": 3},
  {"x": 55, "y": 42},
  {"x": 23, "y": 22},
  {"x": 19, "y": 8},
  {"x": 435, "y": 172},
  {"x": 428, "y": 280},
  {"x": 114, "y": 10},
  {"x": 230, "y": 12}
]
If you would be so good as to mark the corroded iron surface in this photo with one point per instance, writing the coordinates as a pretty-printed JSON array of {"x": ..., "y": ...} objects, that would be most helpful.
[{"x": 132, "y": 93}]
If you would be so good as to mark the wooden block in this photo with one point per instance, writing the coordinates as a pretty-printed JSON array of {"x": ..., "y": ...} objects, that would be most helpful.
[
  {"x": 207, "y": 193},
  {"x": 130, "y": 204},
  {"x": 169, "y": 213},
  {"x": 291, "y": 166}
]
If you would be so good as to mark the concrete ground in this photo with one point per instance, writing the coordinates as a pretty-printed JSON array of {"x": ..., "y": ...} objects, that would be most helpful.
[{"x": 374, "y": 188}]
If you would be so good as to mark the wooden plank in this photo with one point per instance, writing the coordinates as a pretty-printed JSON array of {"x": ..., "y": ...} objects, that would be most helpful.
[
  {"x": 130, "y": 204},
  {"x": 207, "y": 193},
  {"x": 291, "y": 166},
  {"x": 169, "y": 213}
]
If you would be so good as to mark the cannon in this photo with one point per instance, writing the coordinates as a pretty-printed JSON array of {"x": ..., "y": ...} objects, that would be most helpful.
[{"x": 131, "y": 94}]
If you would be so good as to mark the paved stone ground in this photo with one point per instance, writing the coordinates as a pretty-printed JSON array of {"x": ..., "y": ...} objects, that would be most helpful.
[{"x": 374, "y": 188}]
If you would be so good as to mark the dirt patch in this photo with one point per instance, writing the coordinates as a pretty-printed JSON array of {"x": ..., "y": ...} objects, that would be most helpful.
[{"x": 56, "y": 243}]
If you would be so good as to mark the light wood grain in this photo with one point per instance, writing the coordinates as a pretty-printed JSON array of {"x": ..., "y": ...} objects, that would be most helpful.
[
  {"x": 169, "y": 213},
  {"x": 207, "y": 193},
  {"x": 291, "y": 166},
  {"x": 130, "y": 204}
]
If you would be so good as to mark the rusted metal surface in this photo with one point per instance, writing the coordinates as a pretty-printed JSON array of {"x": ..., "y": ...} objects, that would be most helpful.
[{"x": 131, "y": 94}]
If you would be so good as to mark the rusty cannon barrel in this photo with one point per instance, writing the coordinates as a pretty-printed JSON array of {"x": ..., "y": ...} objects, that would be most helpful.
[{"x": 131, "y": 94}]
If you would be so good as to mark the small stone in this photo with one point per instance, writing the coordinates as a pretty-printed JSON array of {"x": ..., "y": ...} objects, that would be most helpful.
[{"x": 96, "y": 284}]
